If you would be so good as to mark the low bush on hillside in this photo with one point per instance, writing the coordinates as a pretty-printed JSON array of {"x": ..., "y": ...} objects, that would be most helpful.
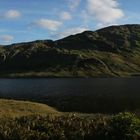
[{"x": 123, "y": 126}]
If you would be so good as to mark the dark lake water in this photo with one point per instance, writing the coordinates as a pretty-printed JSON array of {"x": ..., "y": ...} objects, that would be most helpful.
[
  {"x": 79, "y": 86},
  {"x": 63, "y": 90}
]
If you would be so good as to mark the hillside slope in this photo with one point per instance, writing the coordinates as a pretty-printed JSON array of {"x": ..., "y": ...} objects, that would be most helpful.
[{"x": 108, "y": 52}]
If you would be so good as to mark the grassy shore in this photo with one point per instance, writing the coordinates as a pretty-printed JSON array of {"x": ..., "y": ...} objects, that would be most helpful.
[{"x": 13, "y": 108}]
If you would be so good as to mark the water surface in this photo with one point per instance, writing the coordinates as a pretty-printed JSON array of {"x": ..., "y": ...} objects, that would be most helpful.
[{"x": 65, "y": 91}]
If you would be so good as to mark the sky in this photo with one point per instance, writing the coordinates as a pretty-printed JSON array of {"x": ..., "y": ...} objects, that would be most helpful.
[{"x": 28, "y": 20}]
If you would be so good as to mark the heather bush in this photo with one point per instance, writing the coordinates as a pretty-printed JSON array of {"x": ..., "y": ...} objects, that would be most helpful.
[{"x": 123, "y": 126}]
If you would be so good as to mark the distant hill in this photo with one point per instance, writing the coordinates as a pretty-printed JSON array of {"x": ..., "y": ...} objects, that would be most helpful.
[{"x": 109, "y": 52}]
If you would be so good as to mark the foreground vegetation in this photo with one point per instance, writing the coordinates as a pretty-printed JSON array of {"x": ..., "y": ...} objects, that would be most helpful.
[
  {"x": 20, "y": 120},
  {"x": 124, "y": 126}
]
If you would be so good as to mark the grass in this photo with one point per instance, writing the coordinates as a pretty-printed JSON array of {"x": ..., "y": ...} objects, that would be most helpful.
[{"x": 12, "y": 108}]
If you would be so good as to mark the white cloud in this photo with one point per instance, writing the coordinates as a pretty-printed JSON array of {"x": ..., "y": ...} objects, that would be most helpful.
[
  {"x": 104, "y": 11},
  {"x": 6, "y": 38},
  {"x": 11, "y": 14},
  {"x": 65, "y": 15},
  {"x": 47, "y": 24},
  {"x": 73, "y": 4},
  {"x": 101, "y": 25},
  {"x": 72, "y": 31}
]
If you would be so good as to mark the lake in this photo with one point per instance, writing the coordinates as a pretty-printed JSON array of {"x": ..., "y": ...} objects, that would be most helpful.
[{"x": 77, "y": 94}]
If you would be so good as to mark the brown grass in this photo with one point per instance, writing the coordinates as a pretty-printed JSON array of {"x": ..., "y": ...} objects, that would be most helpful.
[{"x": 15, "y": 108}]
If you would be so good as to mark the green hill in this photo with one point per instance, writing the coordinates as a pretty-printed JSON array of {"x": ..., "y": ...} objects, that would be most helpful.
[{"x": 109, "y": 52}]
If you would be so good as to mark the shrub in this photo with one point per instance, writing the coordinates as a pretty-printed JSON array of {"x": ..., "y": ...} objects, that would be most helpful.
[{"x": 124, "y": 126}]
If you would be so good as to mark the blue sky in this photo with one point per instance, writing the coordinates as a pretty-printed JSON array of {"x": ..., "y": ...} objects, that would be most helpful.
[{"x": 28, "y": 20}]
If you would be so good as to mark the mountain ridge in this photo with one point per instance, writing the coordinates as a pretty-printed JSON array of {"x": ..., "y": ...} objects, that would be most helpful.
[{"x": 108, "y": 52}]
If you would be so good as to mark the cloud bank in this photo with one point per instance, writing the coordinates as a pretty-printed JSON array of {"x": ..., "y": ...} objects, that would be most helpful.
[
  {"x": 10, "y": 14},
  {"x": 6, "y": 38},
  {"x": 104, "y": 11},
  {"x": 52, "y": 25}
]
